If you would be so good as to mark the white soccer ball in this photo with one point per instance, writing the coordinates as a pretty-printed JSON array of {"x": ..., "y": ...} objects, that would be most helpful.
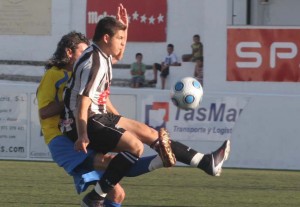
[{"x": 187, "y": 93}]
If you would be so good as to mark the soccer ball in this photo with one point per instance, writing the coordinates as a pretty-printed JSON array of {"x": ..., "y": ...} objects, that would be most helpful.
[{"x": 187, "y": 93}]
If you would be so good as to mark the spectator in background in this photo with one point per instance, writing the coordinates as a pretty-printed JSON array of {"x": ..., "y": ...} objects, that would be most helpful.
[
  {"x": 197, "y": 50},
  {"x": 137, "y": 71},
  {"x": 198, "y": 73},
  {"x": 170, "y": 60}
]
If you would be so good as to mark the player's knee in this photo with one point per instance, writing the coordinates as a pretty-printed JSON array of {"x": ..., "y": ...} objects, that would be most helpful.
[
  {"x": 137, "y": 149},
  {"x": 117, "y": 195},
  {"x": 101, "y": 161},
  {"x": 153, "y": 132},
  {"x": 131, "y": 144},
  {"x": 121, "y": 195}
]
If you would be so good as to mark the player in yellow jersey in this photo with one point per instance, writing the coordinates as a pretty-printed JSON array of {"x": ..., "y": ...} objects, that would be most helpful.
[
  {"x": 50, "y": 103},
  {"x": 85, "y": 168}
]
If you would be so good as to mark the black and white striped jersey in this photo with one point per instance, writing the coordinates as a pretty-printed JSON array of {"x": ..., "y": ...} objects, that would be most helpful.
[{"x": 92, "y": 74}]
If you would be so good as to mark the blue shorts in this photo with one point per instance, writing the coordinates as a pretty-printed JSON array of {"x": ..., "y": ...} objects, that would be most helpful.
[
  {"x": 138, "y": 79},
  {"x": 77, "y": 164}
]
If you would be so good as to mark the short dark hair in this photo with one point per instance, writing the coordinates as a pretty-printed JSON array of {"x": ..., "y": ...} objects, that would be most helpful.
[
  {"x": 71, "y": 41},
  {"x": 196, "y": 35},
  {"x": 107, "y": 25},
  {"x": 171, "y": 45},
  {"x": 138, "y": 54}
]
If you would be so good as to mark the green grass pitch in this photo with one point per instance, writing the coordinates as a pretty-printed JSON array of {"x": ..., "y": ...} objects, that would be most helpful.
[{"x": 43, "y": 184}]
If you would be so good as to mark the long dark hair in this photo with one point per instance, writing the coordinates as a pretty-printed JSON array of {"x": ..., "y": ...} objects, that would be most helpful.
[{"x": 71, "y": 41}]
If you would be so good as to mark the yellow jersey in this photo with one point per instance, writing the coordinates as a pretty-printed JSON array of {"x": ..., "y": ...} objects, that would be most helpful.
[{"x": 51, "y": 89}]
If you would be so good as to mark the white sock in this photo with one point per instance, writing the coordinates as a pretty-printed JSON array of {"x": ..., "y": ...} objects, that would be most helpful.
[
  {"x": 155, "y": 163},
  {"x": 99, "y": 190},
  {"x": 196, "y": 159}
]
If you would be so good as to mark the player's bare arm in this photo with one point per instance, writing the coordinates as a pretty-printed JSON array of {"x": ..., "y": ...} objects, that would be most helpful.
[
  {"x": 110, "y": 107},
  {"x": 122, "y": 17},
  {"x": 52, "y": 109},
  {"x": 81, "y": 117}
]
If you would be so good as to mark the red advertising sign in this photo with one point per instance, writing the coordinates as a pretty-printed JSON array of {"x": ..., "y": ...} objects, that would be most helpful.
[
  {"x": 263, "y": 54},
  {"x": 147, "y": 18}
]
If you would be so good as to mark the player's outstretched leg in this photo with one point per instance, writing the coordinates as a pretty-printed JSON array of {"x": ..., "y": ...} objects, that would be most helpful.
[
  {"x": 210, "y": 163},
  {"x": 114, "y": 199},
  {"x": 165, "y": 149},
  {"x": 92, "y": 199},
  {"x": 162, "y": 146}
]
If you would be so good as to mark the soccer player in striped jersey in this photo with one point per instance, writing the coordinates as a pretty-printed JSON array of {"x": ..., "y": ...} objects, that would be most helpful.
[
  {"x": 49, "y": 96},
  {"x": 80, "y": 165},
  {"x": 98, "y": 123}
]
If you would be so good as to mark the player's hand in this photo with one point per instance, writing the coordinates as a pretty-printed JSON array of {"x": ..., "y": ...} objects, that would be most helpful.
[
  {"x": 122, "y": 15},
  {"x": 81, "y": 144}
]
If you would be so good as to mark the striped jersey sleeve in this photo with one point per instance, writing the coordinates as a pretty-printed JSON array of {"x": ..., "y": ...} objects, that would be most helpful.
[{"x": 91, "y": 78}]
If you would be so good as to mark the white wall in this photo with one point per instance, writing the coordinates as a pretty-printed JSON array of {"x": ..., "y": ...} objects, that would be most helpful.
[
  {"x": 237, "y": 12},
  {"x": 182, "y": 25},
  {"x": 276, "y": 12},
  {"x": 215, "y": 54},
  {"x": 267, "y": 133},
  {"x": 264, "y": 135},
  {"x": 69, "y": 15},
  {"x": 185, "y": 18}
]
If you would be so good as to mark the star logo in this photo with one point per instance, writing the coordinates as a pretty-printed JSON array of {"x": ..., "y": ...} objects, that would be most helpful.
[
  {"x": 151, "y": 20},
  {"x": 147, "y": 19},
  {"x": 143, "y": 18},
  {"x": 160, "y": 18},
  {"x": 135, "y": 15}
]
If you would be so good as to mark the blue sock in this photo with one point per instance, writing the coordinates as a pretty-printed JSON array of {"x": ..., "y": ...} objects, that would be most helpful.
[
  {"x": 142, "y": 166},
  {"x": 108, "y": 203},
  {"x": 145, "y": 165}
]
